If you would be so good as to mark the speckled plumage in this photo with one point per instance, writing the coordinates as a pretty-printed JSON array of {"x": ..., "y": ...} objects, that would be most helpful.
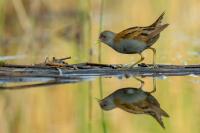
[{"x": 134, "y": 40}]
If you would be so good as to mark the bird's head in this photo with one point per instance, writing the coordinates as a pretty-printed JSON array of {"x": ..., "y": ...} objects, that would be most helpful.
[
  {"x": 122, "y": 96},
  {"x": 107, "y": 103},
  {"x": 107, "y": 37}
]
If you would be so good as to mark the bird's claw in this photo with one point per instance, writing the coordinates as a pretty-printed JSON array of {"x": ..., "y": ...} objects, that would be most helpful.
[
  {"x": 149, "y": 66},
  {"x": 126, "y": 66}
]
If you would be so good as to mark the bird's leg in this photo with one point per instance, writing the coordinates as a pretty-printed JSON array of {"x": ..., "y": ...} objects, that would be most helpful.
[
  {"x": 141, "y": 59},
  {"x": 141, "y": 81},
  {"x": 154, "y": 56},
  {"x": 154, "y": 85}
]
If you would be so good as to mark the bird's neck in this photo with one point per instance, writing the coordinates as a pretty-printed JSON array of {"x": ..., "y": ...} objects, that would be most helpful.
[{"x": 111, "y": 43}]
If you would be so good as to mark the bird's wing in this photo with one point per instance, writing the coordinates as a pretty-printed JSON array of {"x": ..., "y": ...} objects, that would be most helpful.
[
  {"x": 131, "y": 108},
  {"x": 158, "y": 20},
  {"x": 152, "y": 100},
  {"x": 156, "y": 105},
  {"x": 138, "y": 107},
  {"x": 136, "y": 33},
  {"x": 140, "y": 33}
]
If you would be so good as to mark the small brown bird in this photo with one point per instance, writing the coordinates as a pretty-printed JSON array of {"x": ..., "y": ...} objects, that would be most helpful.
[
  {"x": 135, "y": 40},
  {"x": 134, "y": 101}
]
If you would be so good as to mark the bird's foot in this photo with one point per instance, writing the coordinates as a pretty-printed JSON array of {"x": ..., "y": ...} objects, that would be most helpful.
[
  {"x": 123, "y": 67},
  {"x": 143, "y": 65},
  {"x": 147, "y": 65},
  {"x": 130, "y": 66},
  {"x": 119, "y": 66},
  {"x": 155, "y": 66}
]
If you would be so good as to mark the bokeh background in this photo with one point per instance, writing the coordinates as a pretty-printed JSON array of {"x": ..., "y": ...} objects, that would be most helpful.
[{"x": 35, "y": 29}]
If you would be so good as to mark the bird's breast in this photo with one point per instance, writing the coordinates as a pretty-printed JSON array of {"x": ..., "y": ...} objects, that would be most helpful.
[{"x": 130, "y": 46}]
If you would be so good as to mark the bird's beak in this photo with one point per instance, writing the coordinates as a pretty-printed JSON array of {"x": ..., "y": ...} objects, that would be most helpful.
[
  {"x": 100, "y": 38},
  {"x": 98, "y": 41}
]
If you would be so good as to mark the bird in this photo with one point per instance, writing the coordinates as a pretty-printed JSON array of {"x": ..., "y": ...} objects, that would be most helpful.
[
  {"x": 135, "y": 40},
  {"x": 136, "y": 101}
]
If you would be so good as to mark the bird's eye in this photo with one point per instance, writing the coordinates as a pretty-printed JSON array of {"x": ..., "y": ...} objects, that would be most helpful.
[
  {"x": 102, "y": 36},
  {"x": 103, "y": 104}
]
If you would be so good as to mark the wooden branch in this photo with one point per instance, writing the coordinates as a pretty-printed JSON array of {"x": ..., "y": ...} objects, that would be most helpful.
[
  {"x": 60, "y": 73},
  {"x": 87, "y": 71}
]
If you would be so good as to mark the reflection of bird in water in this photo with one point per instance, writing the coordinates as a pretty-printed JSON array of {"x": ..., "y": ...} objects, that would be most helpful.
[
  {"x": 135, "y": 40},
  {"x": 135, "y": 101}
]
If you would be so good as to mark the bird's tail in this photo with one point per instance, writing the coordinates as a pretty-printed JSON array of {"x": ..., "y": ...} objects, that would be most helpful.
[
  {"x": 157, "y": 114},
  {"x": 157, "y": 30},
  {"x": 163, "y": 113},
  {"x": 158, "y": 119},
  {"x": 158, "y": 21}
]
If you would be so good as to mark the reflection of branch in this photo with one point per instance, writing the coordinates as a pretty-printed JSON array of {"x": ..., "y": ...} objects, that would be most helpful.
[
  {"x": 49, "y": 83},
  {"x": 30, "y": 85}
]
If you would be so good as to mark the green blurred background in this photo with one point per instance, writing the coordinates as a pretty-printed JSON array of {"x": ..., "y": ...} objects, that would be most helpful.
[{"x": 36, "y": 29}]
